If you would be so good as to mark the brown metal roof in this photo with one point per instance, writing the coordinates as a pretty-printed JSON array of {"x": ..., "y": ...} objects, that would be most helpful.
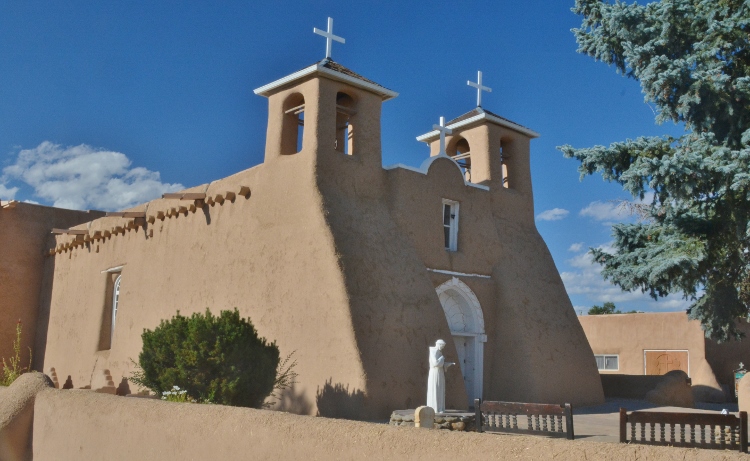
[
  {"x": 333, "y": 65},
  {"x": 336, "y": 67}
]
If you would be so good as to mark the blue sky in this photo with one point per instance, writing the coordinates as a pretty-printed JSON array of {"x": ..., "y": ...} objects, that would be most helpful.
[{"x": 109, "y": 103}]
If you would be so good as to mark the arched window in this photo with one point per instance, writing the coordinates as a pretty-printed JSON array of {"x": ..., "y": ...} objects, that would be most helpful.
[
  {"x": 115, "y": 302},
  {"x": 109, "y": 308},
  {"x": 293, "y": 124},
  {"x": 344, "y": 129}
]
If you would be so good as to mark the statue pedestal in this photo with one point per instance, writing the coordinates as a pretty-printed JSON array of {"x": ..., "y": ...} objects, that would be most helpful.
[{"x": 453, "y": 420}]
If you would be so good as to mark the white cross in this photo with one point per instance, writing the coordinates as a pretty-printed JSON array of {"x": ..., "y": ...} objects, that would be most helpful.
[
  {"x": 479, "y": 87},
  {"x": 443, "y": 131},
  {"x": 329, "y": 37}
]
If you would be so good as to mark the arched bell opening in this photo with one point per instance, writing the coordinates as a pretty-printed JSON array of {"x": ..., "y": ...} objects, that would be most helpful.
[
  {"x": 458, "y": 149},
  {"x": 506, "y": 164},
  {"x": 293, "y": 125},
  {"x": 345, "y": 118}
]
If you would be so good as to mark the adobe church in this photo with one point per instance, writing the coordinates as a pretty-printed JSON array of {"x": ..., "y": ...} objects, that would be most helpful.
[{"x": 355, "y": 267}]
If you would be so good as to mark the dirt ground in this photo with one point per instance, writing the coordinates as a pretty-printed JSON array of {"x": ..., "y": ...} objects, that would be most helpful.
[
  {"x": 413, "y": 443},
  {"x": 597, "y": 438}
]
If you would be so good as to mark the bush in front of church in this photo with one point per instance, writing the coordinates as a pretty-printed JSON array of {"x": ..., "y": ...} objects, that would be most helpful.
[{"x": 216, "y": 359}]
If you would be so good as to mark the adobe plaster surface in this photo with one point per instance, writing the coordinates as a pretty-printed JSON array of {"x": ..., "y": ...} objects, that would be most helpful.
[
  {"x": 17, "y": 414},
  {"x": 24, "y": 235},
  {"x": 629, "y": 335},
  {"x": 743, "y": 394},
  {"x": 73, "y": 425}
]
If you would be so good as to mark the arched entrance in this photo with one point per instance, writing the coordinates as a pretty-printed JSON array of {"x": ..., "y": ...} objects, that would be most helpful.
[{"x": 465, "y": 319}]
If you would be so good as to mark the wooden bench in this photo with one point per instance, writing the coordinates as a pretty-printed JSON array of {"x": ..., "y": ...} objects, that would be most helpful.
[
  {"x": 541, "y": 419},
  {"x": 724, "y": 431}
]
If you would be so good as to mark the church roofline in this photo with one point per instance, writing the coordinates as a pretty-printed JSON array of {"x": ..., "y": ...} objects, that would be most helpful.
[
  {"x": 481, "y": 114},
  {"x": 333, "y": 71}
]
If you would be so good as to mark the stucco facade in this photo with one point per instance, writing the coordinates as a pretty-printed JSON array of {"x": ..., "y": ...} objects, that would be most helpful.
[
  {"x": 637, "y": 339},
  {"x": 24, "y": 235},
  {"x": 340, "y": 260}
]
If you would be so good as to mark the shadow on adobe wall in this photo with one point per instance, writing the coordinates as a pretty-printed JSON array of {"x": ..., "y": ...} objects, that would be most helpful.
[
  {"x": 637, "y": 386},
  {"x": 292, "y": 401},
  {"x": 335, "y": 401},
  {"x": 45, "y": 304},
  {"x": 123, "y": 388},
  {"x": 629, "y": 386}
]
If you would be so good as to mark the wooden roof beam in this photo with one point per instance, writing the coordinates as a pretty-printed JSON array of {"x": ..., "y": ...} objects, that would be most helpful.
[
  {"x": 185, "y": 196},
  {"x": 127, "y": 214},
  {"x": 70, "y": 231}
]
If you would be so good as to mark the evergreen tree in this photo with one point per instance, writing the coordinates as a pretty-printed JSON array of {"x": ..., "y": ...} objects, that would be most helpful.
[{"x": 692, "y": 60}]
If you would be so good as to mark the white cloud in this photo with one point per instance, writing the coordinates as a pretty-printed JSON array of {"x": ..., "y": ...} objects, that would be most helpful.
[
  {"x": 605, "y": 211},
  {"x": 83, "y": 177},
  {"x": 586, "y": 281},
  {"x": 7, "y": 193},
  {"x": 576, "y": 247},
  {"x": 554, "y": 214}
]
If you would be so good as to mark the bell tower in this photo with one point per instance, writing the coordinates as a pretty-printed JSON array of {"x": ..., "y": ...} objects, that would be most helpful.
[
  {"x": 323, "y": 109},
  {"x": 491, "y": 150}
]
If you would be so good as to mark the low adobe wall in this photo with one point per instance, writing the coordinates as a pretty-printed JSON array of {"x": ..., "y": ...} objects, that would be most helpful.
[
  {"x": 17, "y": 414},
  {"x": 630, "y": 335},
  {"x": 78, "y": 424}
]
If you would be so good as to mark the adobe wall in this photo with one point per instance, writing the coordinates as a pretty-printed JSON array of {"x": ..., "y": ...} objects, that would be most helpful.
[
  {"x": 536, "y": 350},
  {"x": 270, "y": 255},
  {"x": 24, "y": 232},
  {"x": 318, "y": 267},
  {"x": 629, "y": 335},
  {"x": 75, "y": 425},
  {"x": 395, "y": 310}
]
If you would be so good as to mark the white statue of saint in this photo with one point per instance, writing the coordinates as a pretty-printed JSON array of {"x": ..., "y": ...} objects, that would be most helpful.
[{"x": 436, "y": 378}]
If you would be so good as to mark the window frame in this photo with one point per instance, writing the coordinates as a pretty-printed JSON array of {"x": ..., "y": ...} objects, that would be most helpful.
[
  {"x": 115, "y": 304},
  {"x": 604, "y": 358},
  {"x": 110, "y": 306},
  {"x": 452, "y": 226}
]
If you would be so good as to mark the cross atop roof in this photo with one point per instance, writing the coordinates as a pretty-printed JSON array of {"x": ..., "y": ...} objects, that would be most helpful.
[
  {"x": 328, "y": 34},
  {"x": 443, "y": 131},
  {"x": 479, "y": 87}
]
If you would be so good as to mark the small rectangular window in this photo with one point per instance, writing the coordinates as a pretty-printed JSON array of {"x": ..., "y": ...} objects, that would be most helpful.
[
  {"x": 450, "y": 224},
  {"x": 607, "y": 362}
]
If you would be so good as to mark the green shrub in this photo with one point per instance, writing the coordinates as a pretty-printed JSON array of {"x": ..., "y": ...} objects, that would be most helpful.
[
  {"x": 13, "y": 369},
  {"x": 215, "y": 359}
]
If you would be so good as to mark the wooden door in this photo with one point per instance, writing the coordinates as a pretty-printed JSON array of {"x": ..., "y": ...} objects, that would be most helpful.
[
  {"x": 465, "y": 351},
  {"x": 662, "y": 362}
]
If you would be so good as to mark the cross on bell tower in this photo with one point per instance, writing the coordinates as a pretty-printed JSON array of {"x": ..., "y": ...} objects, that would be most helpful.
[
  {"x": 479, "y": 87},
  {"x": 443, "y": 131},
  {"x": 328, "y": 34}
]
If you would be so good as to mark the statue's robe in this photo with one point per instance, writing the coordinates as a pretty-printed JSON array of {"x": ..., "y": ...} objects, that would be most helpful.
[{"x": 436, "y": 381}]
